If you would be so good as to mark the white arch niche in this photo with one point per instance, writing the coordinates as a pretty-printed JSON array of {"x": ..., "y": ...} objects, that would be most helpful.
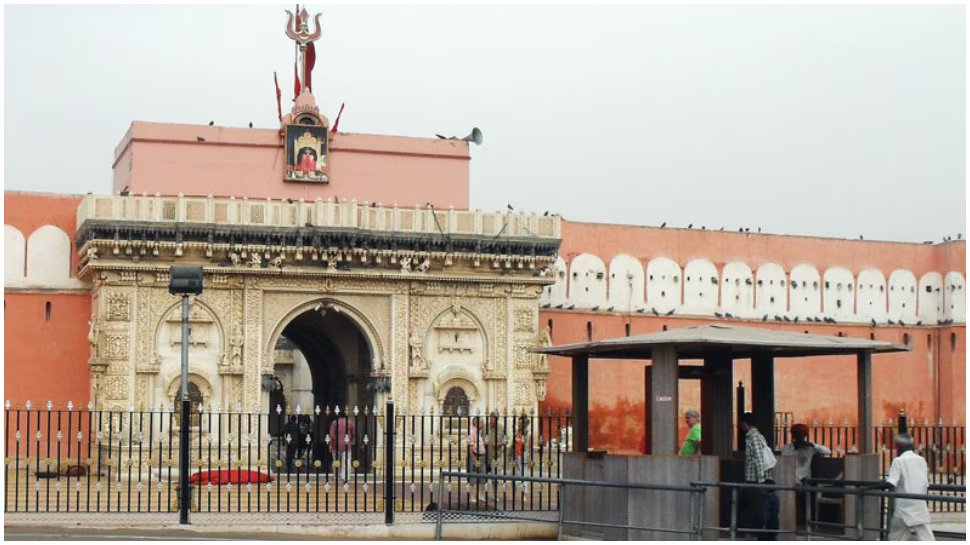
[
  {"x": 49, "y": 258},
  {"x": 954, "y": 297},
  {"x": 626, "y": 283},
  {"x": 587, "y": 281},
  {"x": 838, "y": 294},
  {"x": 700, "y": 287},
  {"x": 902, "y": 295},
  {"x": 930, "y": 305},
  {"x": 663, "y": 284},
  {"x": 871, "y": 296},
  {"x": 555, "y": 295},
  {"x": 14, "y": 256},
  {"x": 771, "y": 295},
  {"x": 737, "y": 294},
  {"x": 805, "y": 291}
]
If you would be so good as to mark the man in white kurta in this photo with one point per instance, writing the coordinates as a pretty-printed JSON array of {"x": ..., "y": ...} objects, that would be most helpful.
[{"x": 908, "y": 474}]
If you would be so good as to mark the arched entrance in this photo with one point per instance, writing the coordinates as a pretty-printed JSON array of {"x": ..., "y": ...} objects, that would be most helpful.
[{"x": 323, "y": 360}]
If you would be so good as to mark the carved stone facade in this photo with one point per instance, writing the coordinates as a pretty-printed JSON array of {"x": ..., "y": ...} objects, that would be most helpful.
[
  {"x": 427, "y": 335},
  {"x": 424, "y": 308}
]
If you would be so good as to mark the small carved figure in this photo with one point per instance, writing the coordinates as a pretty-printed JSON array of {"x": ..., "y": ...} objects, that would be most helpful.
[
  {"x": 92, "y": 253},
  {"x": 235, "y": 343},
  {"x": 234, "y": 258},
  {"x": 417, "y": 355},
  {"x": 406, "y": 264},
  {"x": 94, "y": 333},
  {"x": 424, "y": 265},
  {"x": 255, "y": 260},
  {"x": 277, "y": 261}
]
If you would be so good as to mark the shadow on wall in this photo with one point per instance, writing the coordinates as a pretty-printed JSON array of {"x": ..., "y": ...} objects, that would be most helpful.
[{"x": 616, "y": 428}]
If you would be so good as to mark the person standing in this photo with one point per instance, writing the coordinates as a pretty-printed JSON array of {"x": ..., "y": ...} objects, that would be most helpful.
[
  {"x": 908, "y": 474},
  {"x": 343, "y": 437},
  {"x": 804, "y": 451},
  {"x": 477, "y": 461},
  {"x": 692, "y": 444},
  {"x": 770, "y": 508},
  {"x": 523, "y": 450},
  {"x": 495, "y": 441},
  {"x": 755, "y": 471}
]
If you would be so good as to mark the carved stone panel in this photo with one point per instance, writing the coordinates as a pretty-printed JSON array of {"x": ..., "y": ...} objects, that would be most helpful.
[{"x": 117, "y": 308}]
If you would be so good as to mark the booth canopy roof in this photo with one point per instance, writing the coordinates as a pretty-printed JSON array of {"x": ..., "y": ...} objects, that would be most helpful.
[{"x": 743, "y": 342}]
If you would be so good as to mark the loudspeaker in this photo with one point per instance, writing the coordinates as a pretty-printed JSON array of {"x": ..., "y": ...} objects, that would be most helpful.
[
  {"x": 185, "y": 279},
  {"x": 475, "y": 136}
]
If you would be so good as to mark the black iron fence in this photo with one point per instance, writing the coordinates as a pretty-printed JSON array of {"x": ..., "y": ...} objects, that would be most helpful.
[
  {"x": 943, "y": 447},
  {"x": 331, "y": 460}
]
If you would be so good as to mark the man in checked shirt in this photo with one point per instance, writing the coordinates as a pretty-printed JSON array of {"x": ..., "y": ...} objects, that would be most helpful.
[{"x": 754, "y": 470}]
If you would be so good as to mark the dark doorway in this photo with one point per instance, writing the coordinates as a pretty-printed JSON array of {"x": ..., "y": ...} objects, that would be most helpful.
[{"x": 338, "y": 357}]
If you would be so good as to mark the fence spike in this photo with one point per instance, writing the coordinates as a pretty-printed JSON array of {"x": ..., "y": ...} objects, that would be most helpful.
[
  {"x": 356, "y": 410},
  {"x": 50, "y": 405},
  {"x": 27, "y": 404},
  {"x": 7, "y": 404},
  {"x": 70, "y": 405},
  {"x": 299, "y": 410}
]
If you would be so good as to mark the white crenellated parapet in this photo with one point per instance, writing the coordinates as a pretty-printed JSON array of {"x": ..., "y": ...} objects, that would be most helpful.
[
  {"x": 319, "y": 213},
  {"x": 769, "y": 294},
  {"x": 42, "y": 261}
]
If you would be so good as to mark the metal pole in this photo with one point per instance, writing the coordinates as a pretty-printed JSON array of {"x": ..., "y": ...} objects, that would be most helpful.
[
  {"x": 809, "y": 499},
  {"x": 441, "y": 492},
  {"x": 389, "y": 463},
  {"x": 734, "y": 513},
  {"x": 184, "y": 493},
  {"x": 562, "y": 510}
]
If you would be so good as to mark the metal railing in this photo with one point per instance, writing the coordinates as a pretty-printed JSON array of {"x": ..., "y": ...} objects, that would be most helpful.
[
  {"x": 943, "y": 447},
  {"x": 99, "y": 461},
  {"x": 493, "y": 510},
  {"x": 858, "y": 489}
]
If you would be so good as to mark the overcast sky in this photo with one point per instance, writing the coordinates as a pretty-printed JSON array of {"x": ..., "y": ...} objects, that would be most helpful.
[{"x": 817, "y": 120}]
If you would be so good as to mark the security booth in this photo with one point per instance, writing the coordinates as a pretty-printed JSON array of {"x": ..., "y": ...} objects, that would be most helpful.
[{"x": 717, "y": 345}]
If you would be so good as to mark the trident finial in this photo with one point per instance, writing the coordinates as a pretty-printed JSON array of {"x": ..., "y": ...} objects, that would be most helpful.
[{"x": 301, "y": 34}]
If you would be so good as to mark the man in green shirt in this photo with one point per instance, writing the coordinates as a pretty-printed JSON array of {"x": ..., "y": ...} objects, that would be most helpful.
[{"x": 692, "y": 444}]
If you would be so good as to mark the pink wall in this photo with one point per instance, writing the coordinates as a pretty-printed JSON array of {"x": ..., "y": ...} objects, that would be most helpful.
[
  {"x": 168, "y": 159},
  {"x": 926, "y": 382},
  {"x": 682, "y": 245}
]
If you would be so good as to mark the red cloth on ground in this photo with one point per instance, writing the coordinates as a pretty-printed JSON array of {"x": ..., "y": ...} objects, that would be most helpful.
[{"x": 226, "y": 476}]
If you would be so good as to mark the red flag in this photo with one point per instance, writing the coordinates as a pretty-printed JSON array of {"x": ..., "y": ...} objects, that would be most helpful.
[
  {"x": 296, "y": 82},
  {"x": 279, "y": 95},
  {"x": 310, "y": 59},
  {"x": 337, "y": 122}
]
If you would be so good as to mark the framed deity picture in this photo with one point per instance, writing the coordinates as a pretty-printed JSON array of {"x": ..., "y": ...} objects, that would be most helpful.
[{"x": 306, "y": 153}]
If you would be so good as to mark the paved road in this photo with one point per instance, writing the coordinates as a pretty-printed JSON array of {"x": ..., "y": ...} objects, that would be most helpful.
[{"x": 56, "y": 533}]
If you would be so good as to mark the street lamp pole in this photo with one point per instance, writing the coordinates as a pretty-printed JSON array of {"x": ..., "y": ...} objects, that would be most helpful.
[{"x": 185, "y": 281}]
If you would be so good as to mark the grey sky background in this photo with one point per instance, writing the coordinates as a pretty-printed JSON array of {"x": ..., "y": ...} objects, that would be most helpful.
[{"x": 816, "y": 120}]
